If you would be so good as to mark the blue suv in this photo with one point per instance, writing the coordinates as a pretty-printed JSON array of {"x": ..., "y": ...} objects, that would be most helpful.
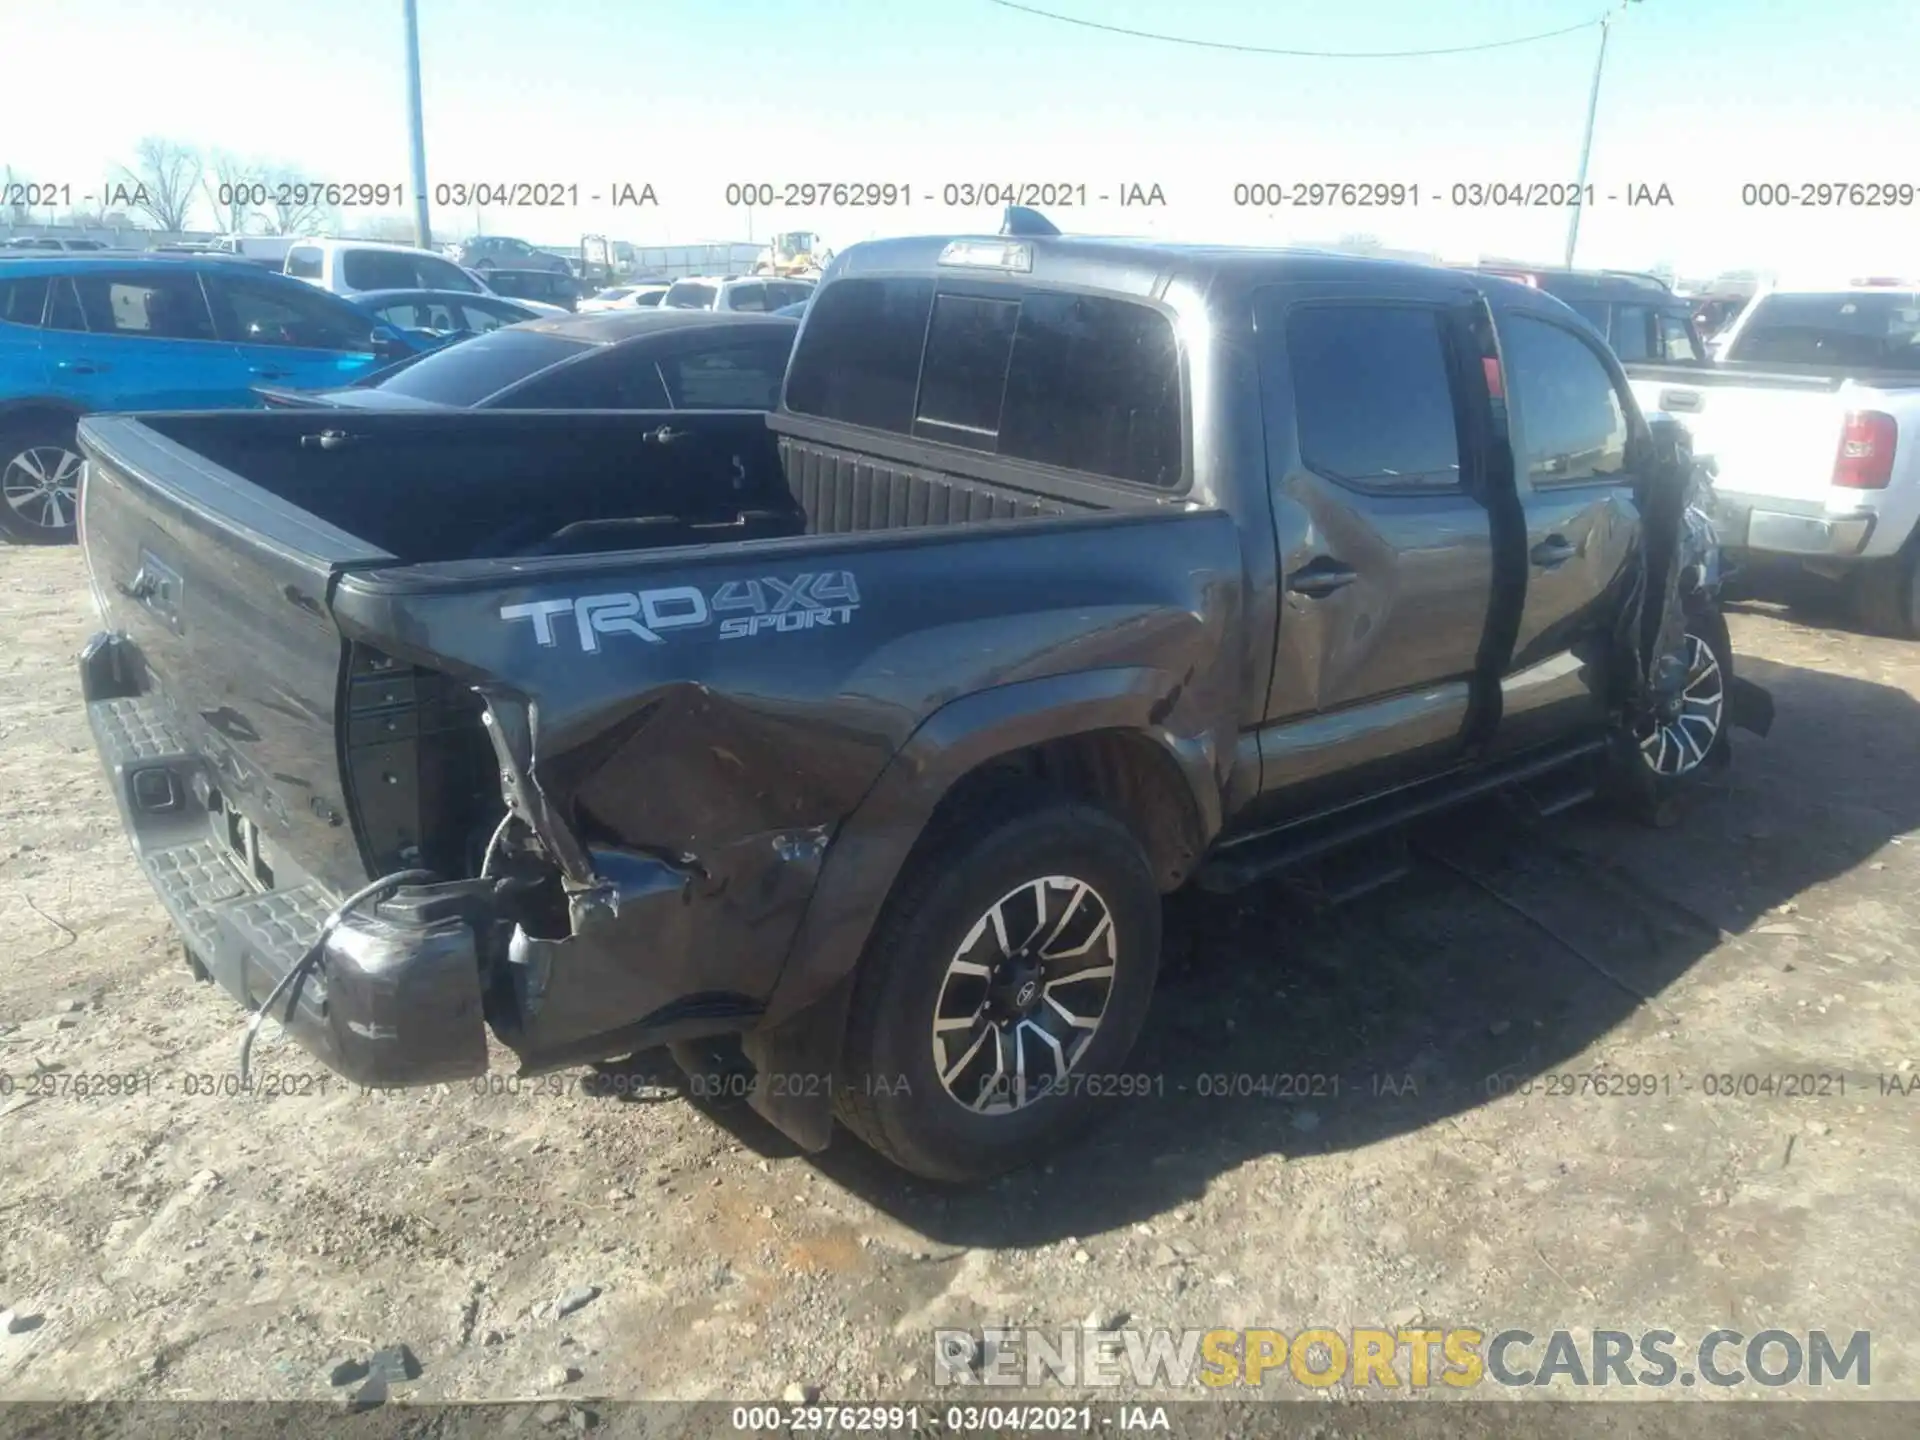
[{"x": 86, "y": 333}]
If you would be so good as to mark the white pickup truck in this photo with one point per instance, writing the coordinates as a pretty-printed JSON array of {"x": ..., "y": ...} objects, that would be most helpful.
[{"x": 1811, "y": 419}]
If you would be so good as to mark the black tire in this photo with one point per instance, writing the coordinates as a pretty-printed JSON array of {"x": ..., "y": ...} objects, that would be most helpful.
[
  {"x": 891, "y": 1093},
  {"x": 1884, "y": 595},
  {"x": 39, "y": 481}
]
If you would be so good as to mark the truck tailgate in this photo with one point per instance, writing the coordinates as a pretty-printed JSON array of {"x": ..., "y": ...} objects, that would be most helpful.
[
  {"x": 1768, "y": 438},
  {"x": 221, "y": 590},
  {"x": 212, "y": 693}
]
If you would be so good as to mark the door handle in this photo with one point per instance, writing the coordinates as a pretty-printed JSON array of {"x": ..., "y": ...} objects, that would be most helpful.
[
  {"x": 267, "y": 372},
  {"x": 80, "y": 367},
  {"x": 665, "y": 435},
  {"x": 1679, "y": 399},
  {"x": 1553, "y": 552},
  {"x": 1322, "y": 576}
]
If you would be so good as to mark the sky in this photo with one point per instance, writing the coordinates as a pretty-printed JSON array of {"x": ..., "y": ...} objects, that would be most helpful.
[{"x": 1702, "y": 97}]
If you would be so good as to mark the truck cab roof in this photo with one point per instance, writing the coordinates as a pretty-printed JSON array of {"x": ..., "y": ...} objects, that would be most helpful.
[{"x": 1133, "y": 267}]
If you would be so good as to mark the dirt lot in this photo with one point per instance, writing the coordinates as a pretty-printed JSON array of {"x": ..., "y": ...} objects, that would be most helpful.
[{"x": 182, "y": 1244}]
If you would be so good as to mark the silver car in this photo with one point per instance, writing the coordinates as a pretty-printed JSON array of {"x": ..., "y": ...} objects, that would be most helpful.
[{"x": 503, "y": 252}]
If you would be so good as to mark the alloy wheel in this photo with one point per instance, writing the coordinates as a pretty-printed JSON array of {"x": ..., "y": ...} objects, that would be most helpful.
[
  {"x": 42, "y": 486},
  {"x": 1024, "y": 995},
  {"x": 1684, "y": 732}
]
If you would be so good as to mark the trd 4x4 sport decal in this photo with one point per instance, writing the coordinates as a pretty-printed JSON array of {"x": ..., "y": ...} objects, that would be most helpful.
[{"x": 740, "y": 608}]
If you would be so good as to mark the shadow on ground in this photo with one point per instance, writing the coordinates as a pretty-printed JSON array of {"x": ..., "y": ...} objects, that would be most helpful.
[{"x": 1514, "y": 945}]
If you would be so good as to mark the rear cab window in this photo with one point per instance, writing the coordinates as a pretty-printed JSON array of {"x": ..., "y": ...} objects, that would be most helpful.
[
  {"x": 1084, "y": 383},
  {"x": 1869, "y": 330}
]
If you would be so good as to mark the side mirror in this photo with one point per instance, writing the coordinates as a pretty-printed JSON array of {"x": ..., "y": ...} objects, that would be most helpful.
[{"x": 389, "y": 344}]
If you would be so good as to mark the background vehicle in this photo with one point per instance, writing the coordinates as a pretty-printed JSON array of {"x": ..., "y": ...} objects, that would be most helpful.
[
  {"x": 626, "y": 360},
  {"x": 435, "y": 317},
  {"x": 346, "y": 267},
  {"x": 624, "y": 297},
  {"x": 549, "y": 290},
  {"x": 1638, "y": 315},
  {"x": 1240, "y": 555},
  {"x": 52, "y": 243},
  {"x": 261, "y": 249},
  {"x": 679, "y": 262},
  {"x": 793, "y": 253},
  {"x": 796, "y": 310},
  {"x": 85, "y": 334},
  {"x": 1812, "y": 421},
  {"x": 732, "y": 294},
  {"x": 503, "y": 252}
]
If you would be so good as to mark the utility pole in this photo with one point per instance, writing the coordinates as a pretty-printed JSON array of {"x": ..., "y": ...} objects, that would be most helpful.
[
  {"x": 416, "y": 130},
  {"x": 1586, "y": 141}
]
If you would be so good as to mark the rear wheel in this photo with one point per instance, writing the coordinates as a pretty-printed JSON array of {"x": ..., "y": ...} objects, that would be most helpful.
[
  {"x": 39, "y": 482},
  {"x": 1884, "y": 595},
  {"x": 1001, "y": 993}
]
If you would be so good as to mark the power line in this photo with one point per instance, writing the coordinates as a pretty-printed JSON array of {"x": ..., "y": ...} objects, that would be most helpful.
[{"x": 1296, "y": 54}]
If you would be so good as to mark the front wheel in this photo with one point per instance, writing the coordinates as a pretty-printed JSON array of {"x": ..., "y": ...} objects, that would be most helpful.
[
  {"x": 1687, "y": 734},
  {"x": 1001, "y": 993},
  {"x": 39, "y": 482}
]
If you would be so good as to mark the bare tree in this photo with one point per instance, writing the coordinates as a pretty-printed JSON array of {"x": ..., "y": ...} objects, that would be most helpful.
[
  {"x": 165, "y": 175},
  {"x": 395, "y": 228},
  {"x": 229, "y": 186},
  {"x": 296, "y": 204},
  {"x": 14, "y": 213}
]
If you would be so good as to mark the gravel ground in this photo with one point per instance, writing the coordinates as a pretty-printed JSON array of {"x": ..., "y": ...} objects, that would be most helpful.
[{"x": 177, "y": 1243}]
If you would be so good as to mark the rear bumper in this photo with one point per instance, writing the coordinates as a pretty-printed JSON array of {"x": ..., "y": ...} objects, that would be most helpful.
[
  {"x": 1765, "y": 525},
  {"x": 396, "y": 998}
]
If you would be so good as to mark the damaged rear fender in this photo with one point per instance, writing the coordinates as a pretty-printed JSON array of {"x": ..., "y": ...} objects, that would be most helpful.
[{"x": 800, "y": 1032}]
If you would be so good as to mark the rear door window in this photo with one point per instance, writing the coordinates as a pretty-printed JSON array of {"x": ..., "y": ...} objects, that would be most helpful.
[
  {"x": 146, "y": 307},
  {"x": 305, "y": 262},
  {"x": 63, "y": 307},
  {"x": 619, "y": 377},
  {"x": 467, "y": 373},
  {"x": 1373, "y": 404}
]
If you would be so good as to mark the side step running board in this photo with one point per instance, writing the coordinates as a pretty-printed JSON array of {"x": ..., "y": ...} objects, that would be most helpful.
[{"x": 1271, "y": 852}]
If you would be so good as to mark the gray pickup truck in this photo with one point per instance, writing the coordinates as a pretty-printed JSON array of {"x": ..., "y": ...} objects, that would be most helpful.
[{"x": 1068, "y": 574}]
